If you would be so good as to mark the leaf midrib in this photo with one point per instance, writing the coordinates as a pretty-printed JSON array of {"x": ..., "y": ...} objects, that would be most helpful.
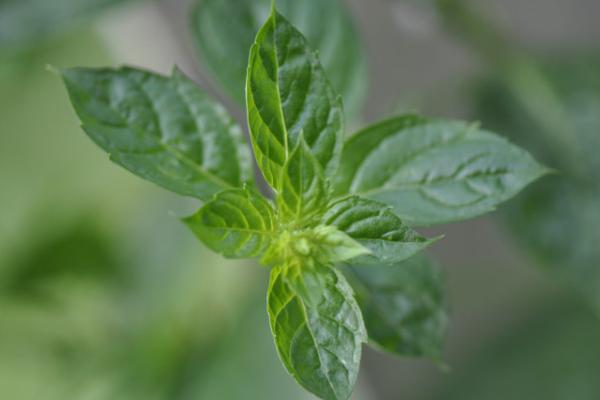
[{"x": 169, "y": 149}]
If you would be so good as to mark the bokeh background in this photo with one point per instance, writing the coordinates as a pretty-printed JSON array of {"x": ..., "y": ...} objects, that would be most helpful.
[{"x": 105, "y": 295}]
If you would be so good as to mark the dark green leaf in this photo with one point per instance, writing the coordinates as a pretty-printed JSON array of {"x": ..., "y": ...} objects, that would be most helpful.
[
  {"x": 304, "y": 191},
  {"x": 237, "y": 223},
  {"x": 165, "y": 130},
  {"x": 434, "y": 171},
  {"x": 325, "y": 23},
  {"x": 321, "y": 244},
  {"x": 403, "y": 306},
  {"x": 376, "y": 227},
  {"x": 317, "y": 327},
  {"x": 289, "y": 97}
]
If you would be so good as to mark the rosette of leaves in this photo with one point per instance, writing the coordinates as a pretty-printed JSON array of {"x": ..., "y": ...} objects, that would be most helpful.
[{"x": 335, "y": 203}]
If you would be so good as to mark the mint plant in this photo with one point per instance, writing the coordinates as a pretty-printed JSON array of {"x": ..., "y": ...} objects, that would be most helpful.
[{"x": 337, "y": 208}]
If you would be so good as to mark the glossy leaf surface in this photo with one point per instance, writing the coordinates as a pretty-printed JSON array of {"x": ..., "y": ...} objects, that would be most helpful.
[
  {"x": 317, "y": 327},
  {"x": 163, "y": 129},
  {"x": 304, "y": 190},
  {"x": 237, "y": 223},
  {"x": 288, "y": 97},
  {"x": 376, "y": 227},
  {"x": 325, "y": 23},
  {"x": 434, "y": 171}
]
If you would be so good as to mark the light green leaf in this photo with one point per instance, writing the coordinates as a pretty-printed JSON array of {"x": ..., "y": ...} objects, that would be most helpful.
[
  {"x": 317, "y": 327},
  {"x": 304, "y": 191},
  {"x": 321, "y": 244},
  {"x": 163, "y": 129},
  {"x": 434, "y": 171},
  {"x": 336, "y": 246},
  {"x": 375, "y": 226},
  {"x": 237, "y": 223},
  {"x": 289, "y": 97},
  {"x": 403, "y": 306},
  {"x": 325, "y": 23}
]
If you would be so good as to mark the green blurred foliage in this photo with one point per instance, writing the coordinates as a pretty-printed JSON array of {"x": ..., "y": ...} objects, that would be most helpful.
[
  {"x": 327, "y": 25},
  {"x": 553, "y": 356},
  {"x": 103, "y": 295},
  {"x": 552, "y": 108},
  {"x": 24, "y": 23}
]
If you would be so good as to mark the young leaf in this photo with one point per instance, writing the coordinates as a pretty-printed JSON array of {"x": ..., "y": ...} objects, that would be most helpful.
[
  {"x": 317, "y": 327},
  {"x": 434, "y": 171},
  {"x": 321, "y": 244},
  {"x": 164, "y": 129},
  {"x": 289, "y": 97},
  {"x": 376, "y": 227},
  {"x": 403, "y": 306},
  {"x": 325, "y": 23},
  {"x": 237, "y": 223},
  {"x": 304, "y": 191}
]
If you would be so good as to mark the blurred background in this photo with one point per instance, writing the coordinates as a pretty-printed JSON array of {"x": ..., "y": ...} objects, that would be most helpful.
[{"x": 105, "y": 295}]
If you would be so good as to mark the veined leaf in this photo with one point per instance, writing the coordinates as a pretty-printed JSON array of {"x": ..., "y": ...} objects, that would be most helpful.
[
  {"x": 237, "y": 223},
  {"x": 289, "y": 97},
  {"x": 325, "y": 23},
  {"x": 317, "y": 327},
  {"x": 376, "y": 227},
  {"x": 434, "y": 171},
  {"x": 304, "y": 191},
  {"x": 403, "y": 306},
  {"x": 164, "y": 129}
]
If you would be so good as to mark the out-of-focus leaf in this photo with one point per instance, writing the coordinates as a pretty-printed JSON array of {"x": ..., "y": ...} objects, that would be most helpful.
[
  {"x": 403, "y": 306},
  {"x": 80, "y": 252},
  {"x": 557, "y": 220},
  {"x": 434, "y": 171},
  {"x": 237, "y": 223},
  {"x": 25, "y": 22},
  {"x": 376, "y": 227},
  {"x": 237, "y": 356},
  {"x": 225, "y": 29},
  {"x": 317, "y": 327},
  {"x": 553, "y": 356},
  {"x": 164, "y": 129},
  {"x": 289, "y": 98}
]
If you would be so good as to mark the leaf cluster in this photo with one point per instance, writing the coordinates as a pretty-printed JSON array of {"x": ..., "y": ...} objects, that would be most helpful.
[{"x": 339, "y": 208}]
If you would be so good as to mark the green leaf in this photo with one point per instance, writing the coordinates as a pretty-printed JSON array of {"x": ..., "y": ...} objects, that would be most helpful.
[
  {"x": 375, "y": 226},
  {"x": 325, "y": 23},
  {"x": 317, "y": 327},
  {"x": 164, "y": 129},
  {"x": 403, "y": 306},
  {"x": 237, "y": 223},
  {"x": 289, "y": 97},
  {"x": 434, "y": 171},
  {"x": 304, "y": 191},
  {"x": 321, "y": 244}
]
